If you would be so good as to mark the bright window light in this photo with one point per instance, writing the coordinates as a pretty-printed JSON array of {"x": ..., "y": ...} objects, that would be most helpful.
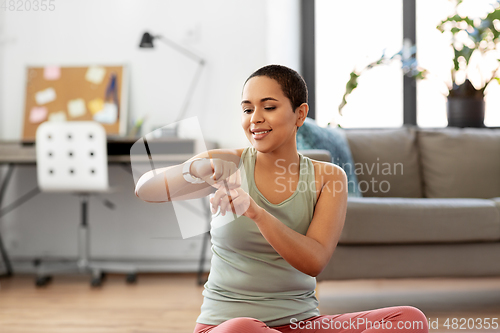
[
  {"x": 435, "y": 55},
  {"x": 349, "y": 35}
]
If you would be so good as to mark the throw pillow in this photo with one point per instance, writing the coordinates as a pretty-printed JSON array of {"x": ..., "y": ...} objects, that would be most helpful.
[{"x": 333, "y": 139}]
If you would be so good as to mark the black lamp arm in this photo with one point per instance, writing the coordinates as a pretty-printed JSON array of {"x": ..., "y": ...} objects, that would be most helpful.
[
  {"x": 192, "y": 86},
  {"x": 180, "y": 49}
]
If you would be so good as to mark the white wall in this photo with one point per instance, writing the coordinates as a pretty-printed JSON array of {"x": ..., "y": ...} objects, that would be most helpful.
[
  {"x": 86, "y": 32},
  {"x": 283, "y": 33},
  {"x": 235, "y": 38},
  {"x": 2, "y": 80}
]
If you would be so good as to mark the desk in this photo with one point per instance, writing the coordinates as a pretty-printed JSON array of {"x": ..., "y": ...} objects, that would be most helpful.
[
  {"x": 170, "y": 150},
  {"x": 166, "y": 151}
]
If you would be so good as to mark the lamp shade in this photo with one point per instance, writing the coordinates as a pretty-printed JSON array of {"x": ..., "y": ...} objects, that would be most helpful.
[{"x": 146, "y": 41}]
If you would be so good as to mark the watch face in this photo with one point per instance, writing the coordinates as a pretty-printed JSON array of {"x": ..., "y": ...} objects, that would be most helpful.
[{"x": 187, "y": 175}]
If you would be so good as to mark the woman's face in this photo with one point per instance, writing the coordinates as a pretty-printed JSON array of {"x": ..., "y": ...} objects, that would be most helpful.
[{"x": 266, "y": 108}]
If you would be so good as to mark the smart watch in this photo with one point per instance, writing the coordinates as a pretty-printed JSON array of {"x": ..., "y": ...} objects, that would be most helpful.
[{"x": 188, "y": 176}]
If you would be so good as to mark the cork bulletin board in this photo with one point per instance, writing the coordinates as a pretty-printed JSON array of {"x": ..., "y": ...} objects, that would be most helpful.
[{"x": 56, "y": 93}]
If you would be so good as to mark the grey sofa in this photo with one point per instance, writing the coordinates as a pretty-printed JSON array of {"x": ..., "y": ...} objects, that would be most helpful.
[{"x": 430, "y": 205}]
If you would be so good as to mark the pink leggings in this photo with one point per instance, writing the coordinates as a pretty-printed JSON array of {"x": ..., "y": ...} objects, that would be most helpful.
[{"x": 395, "y": 319}]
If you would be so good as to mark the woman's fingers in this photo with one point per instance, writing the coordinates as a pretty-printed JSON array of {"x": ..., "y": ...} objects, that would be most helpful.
[
  {"x": 217, "y": 197},
  {"x": 236, "y": 201},
  {"x": 215, "y": 200},
  {"x": 241, "y": 204},
  {"x": 238, "y": 204},
  {"x": 225, "y": 203},
  {"x": 225, "y": 175},
  {"x": 220, "y": 172},
  {"x": 233, "y": 176},
  {"x": 223, "y": 198},
  {"x": 229, "y": 170},
  {"x": 218, "y": 169}
]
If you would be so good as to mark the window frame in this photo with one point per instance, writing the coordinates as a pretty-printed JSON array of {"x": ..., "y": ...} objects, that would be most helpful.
[{"x": 308, "y": 61}]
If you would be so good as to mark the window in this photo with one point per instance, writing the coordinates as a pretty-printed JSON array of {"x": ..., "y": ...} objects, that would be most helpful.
[
  {"x": 435, "y": 55},
  {"x": 352, "y": 34}
]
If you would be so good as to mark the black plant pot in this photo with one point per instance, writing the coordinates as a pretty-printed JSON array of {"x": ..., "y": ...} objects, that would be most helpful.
[{"x": 465, "y": 112}]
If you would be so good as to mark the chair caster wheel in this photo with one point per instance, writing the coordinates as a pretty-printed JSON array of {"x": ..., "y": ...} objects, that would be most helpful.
[
  {"x": 131, "y": 278},
  {"x": 96, "y": 281},
  {"x": 43, "y": 280}
]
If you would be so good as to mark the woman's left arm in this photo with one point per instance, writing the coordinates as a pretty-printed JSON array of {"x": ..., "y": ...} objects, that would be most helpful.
[{"x": 311, "y": 253}]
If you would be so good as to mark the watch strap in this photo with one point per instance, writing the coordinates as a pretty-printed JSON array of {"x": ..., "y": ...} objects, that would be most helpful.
[{"x": 188, "y": 176}]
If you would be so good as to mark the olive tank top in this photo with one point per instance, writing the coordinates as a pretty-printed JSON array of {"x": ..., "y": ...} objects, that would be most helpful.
[{"x": 248, "y": 278}]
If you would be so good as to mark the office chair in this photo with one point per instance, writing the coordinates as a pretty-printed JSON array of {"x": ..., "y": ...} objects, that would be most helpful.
[{"x": 72, "y": 157}]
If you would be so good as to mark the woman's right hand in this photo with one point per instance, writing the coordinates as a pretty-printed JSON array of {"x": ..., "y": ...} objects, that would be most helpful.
[{"x": 215, "y": 171}]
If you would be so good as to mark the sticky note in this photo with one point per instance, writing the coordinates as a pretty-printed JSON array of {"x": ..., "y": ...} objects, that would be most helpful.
[
  {"x": 108, "y": 115},
  {"x": 45, "y": 96},
  {"x": 95, "y": 74},
  {"x": 52, "y": 73},
  {"x": 57, "y": 116},
  {"x": 76, "y": 108},
  {"x": 38, "y": 114},
  {"x": 96, "y": 105}
]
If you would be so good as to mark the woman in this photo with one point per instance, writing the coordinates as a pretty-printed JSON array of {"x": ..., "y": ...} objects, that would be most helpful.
[{"x": 287, "y": 224}]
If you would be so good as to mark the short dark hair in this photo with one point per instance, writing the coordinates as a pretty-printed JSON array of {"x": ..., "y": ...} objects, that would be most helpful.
[{"x": 292, "y": 84}]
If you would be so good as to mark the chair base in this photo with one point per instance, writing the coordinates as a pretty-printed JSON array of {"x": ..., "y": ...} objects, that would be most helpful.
[
  {"x": 96, "y": 270},
  {"x": 45, "y": 271},
  {"x": 83, "y": 265}
]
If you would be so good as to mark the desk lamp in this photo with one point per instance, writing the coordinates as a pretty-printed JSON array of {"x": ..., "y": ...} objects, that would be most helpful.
[{"x": 147, "y": 42}]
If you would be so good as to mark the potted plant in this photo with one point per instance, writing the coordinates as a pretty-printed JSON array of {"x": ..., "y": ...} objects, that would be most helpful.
[{"x": 469, "y": 38}]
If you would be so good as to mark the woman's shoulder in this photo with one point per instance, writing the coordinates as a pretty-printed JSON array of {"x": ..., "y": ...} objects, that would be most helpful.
[
  {"x": 324, "y": 166},
  {"x": 325, "y": 171}
]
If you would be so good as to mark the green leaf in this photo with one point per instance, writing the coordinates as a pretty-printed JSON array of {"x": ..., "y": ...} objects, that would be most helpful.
[
  {"x": 455, "y": 63},
  {"x": 467, "y": 52},
  {"x": 421, "y": 75},
  {"x": 469, "y": 21},
  {"x": 494, "y": 15},
  {"x": 349, "y": 87}
]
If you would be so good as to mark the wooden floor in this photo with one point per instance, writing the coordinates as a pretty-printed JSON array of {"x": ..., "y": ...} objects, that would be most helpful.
[{"x": 171, "y": 302}]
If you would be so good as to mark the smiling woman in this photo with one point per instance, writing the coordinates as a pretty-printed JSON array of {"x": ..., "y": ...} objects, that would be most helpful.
[
  {"x": 265, "y": 261},
  {"x": 269, "y": 117}
]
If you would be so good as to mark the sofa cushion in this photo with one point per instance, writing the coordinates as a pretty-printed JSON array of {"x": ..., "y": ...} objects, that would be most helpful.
[
  {"x": 455, "y": 260},
  {"x": 420, "y": 220},
  {"x": 312, "y": 136},
  {"x": 386, "y": 162},
  {"x": 460, "y": 162}
]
